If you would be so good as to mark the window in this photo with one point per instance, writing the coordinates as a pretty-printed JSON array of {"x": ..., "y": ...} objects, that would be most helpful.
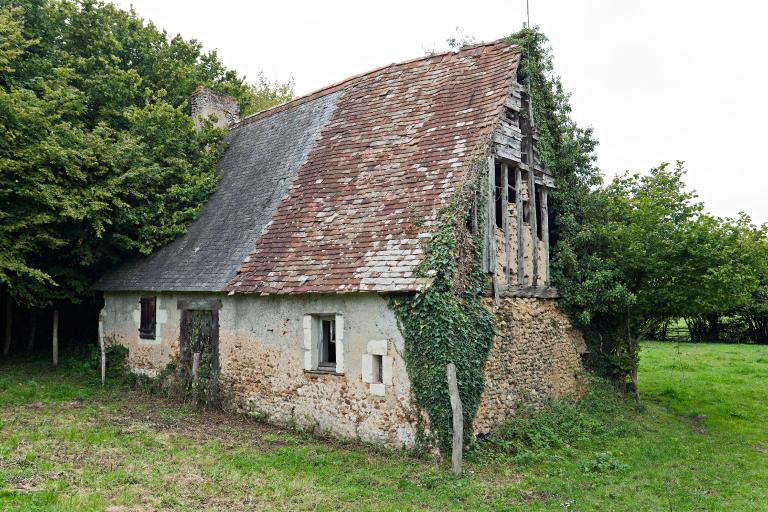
[
  {"x": 327, "y": 344},
  {"x": 148, "y": 324},
  {"x": 377, "y": 367},
  {"x": 538, "y": 212},
  {"x": 377, "y": 364},
  {"x": 511, "y": 190},
  {"x": 324, "y": 343}
]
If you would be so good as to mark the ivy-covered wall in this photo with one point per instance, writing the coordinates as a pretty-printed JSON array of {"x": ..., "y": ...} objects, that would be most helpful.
[{"x": 446, "y": 322}]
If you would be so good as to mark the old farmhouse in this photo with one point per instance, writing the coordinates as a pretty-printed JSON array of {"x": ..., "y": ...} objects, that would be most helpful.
[{"x": 322, "y": 213}]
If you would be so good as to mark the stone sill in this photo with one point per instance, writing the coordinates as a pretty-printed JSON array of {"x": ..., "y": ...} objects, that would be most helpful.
[{"x": 324, "y": 372}]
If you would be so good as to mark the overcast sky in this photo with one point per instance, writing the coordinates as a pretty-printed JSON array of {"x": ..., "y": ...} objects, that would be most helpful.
[{"x": 657, "y": 80}]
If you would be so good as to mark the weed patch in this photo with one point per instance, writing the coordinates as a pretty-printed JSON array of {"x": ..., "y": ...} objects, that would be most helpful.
[{"x": 564, "y": 423}]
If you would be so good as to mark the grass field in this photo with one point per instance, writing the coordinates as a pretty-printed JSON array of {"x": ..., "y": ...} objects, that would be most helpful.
[{"x": 699, "y": 443}]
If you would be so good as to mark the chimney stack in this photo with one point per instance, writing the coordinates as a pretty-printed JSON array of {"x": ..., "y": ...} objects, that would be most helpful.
[{"x": 206, "y": 102}]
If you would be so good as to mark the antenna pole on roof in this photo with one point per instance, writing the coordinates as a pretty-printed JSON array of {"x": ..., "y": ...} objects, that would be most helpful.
[
  {"x": 530, "y": 56},
  {"x": 528, "y": 13}
]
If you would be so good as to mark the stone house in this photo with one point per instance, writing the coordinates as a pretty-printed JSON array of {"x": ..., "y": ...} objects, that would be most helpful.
[{"x": 322, "y": 212}]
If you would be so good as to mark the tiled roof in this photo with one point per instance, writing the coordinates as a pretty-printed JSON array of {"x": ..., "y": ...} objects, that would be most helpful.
[{"x": 395, "y": 149}]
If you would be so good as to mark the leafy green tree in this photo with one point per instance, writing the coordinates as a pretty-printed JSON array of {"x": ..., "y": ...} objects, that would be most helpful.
[
  {"x": 99, "y": 159},
  {"x": 754, "y": 311},
  {"x": 667, "y": 259}
]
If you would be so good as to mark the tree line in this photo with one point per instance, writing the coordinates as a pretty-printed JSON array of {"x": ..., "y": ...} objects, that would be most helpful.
[{"x": 99, "y": 159}]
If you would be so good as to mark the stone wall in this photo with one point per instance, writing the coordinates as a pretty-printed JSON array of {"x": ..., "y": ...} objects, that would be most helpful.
[
  {"x": 536, "y": 354},
  {"x": 206, "y": 102},
  {"x": 262, "y": 355}
]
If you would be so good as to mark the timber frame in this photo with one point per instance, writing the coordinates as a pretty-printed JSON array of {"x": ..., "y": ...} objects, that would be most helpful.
[{"x": 516, "y": 252}]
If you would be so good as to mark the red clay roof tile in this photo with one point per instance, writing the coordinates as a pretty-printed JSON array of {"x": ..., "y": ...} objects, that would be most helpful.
[{"x": 392, "y": 154}]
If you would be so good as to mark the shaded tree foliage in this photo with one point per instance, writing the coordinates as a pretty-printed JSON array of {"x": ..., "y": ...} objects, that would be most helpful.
[{"x": 98, "y": 155}]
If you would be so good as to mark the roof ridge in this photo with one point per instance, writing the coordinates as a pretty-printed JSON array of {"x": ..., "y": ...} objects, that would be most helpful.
[{"x": 334, "y": 87}]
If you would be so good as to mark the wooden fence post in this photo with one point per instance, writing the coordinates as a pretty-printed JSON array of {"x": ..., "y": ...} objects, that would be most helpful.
[
  {"x": 103, "y": 352},
  {"x": 55, "y": 337},
  {"x": 8, "y": 325},
  {"x": 195, "y": 377},
  {"x": 458, "y": 419}
]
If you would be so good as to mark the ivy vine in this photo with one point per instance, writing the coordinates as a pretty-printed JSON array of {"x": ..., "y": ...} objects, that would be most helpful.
[{"x": 446, "y": 322}]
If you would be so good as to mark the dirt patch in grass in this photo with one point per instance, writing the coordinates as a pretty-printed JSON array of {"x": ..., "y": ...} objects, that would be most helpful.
[
  {"x": 228, "y": 429},
  {"x": 696, "y": 422}
]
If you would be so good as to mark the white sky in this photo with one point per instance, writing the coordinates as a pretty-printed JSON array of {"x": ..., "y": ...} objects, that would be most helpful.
[{"x": 658, "y": 80}]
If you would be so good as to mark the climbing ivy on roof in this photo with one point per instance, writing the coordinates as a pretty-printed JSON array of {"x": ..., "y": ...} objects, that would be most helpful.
[{"x": 446, "y": 321}]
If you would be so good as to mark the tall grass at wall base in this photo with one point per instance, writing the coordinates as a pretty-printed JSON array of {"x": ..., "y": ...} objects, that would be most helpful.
[{"x": 538, "y": 433}]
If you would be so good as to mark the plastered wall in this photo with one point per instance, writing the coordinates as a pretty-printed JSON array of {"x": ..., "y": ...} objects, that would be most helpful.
[{"x": 262, "y": 354}]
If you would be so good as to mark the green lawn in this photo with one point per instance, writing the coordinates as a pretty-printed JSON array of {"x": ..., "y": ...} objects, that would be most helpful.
[{"x": 700, "y": 443}]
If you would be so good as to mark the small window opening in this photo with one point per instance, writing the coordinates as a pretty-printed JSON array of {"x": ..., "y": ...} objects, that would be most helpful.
[
  {"x": 497, "y": 196},
  {"x": 511, "y": 190},
  {"x": 511, "y": 115},
  {"x": 147, "y": 325},
  {"x": 378, "y": 376},
  {"x": 538, "y": 213},
  {"x": 327, "y": 343},
  {"x": 526, "y": 213}
]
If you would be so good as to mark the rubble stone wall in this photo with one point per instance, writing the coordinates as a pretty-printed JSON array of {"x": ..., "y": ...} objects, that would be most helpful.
[{"x": 536, "y": 355}]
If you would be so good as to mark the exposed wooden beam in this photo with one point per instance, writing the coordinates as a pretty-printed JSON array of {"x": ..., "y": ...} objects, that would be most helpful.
[
  {"x": 545, "y": 233},
  {"x": 531, "y": 292},
  {"x": 532, "y": 221},
  {"x": 492, "y": 226},
  {"x": 505, "y": 223},
  {"x": 519, "y": 209},
  {"x": 491, "y": 216}
]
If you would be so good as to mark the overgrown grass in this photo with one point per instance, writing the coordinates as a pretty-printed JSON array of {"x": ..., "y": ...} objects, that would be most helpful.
[
  {"x": 535, "y": 434},
  {"x": 699, "y": 442}
]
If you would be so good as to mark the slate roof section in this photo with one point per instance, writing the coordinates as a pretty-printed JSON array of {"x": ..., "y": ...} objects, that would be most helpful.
[
  {"x": 260, "y": 164},
  {"x": 395, "y": 150}
]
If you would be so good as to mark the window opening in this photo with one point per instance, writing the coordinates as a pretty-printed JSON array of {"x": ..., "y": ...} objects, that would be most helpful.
[
  {"x": 147, "y": 325},
  {"x": 497, "y": 196},
  {"x": 328, "y": 343},
  {"x": 378, "y": 363},
  {"x": 538, "y": 212},
  {"x": 511, "y": 190}
]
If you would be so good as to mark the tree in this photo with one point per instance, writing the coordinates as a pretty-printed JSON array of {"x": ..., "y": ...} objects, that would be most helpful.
[
  {"x": 754, "y": 311},
  {"x": 99, "y": 159},
  {"x": 667, "y": 258}
]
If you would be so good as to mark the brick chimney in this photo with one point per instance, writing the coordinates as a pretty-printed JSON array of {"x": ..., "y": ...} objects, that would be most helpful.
[{"x": 206, "y": 102}]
